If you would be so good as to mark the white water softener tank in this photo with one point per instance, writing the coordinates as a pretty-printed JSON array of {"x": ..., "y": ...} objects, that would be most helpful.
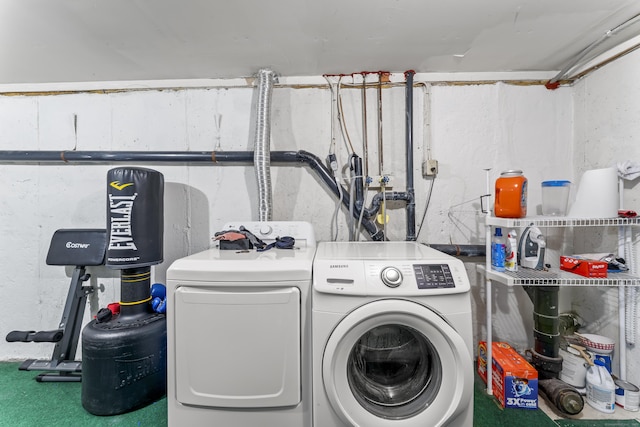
[{"x": 600, "y": 388}]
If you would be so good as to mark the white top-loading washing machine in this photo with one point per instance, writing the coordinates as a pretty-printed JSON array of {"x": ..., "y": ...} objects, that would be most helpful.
[
  {"x": 392, "y": 336},
  {"x": 238, "y": 333}
]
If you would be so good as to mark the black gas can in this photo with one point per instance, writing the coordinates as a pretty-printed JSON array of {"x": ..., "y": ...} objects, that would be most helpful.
[{"x": 124, "y": 363}]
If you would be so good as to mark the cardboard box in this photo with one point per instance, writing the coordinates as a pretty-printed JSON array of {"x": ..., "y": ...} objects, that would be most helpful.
[
  {"x": 515, "y": 381},
  {"x": 584, "y": 267}
]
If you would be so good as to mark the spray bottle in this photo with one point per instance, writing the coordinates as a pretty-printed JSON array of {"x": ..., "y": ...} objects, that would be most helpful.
[
  {"x": 511, "y": 260},
  {"x": 498, "y": 251}
]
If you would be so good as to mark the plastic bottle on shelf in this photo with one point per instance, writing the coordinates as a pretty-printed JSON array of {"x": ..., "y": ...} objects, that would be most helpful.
[
  {"x": 511, "y": 195},
  {"x": 498, "y": 251},
  {"x": 511, "y": 260},
  {"x": 600, "y": 388}
]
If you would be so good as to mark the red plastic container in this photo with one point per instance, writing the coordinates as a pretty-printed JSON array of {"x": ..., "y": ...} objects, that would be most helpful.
[{"x": 511, "y": 195}]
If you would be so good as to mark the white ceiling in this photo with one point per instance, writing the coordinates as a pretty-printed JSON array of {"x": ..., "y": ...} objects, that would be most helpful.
[{"x": 44, "y": 41}]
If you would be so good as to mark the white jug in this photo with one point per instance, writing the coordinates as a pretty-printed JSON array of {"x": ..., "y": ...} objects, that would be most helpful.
[{"x": 600, "y": 388}]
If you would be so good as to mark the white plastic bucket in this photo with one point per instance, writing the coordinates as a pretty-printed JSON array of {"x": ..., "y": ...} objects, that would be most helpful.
[{"x": 597, "y": 195}]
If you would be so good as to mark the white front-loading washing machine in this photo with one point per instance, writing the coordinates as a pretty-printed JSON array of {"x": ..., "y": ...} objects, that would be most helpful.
[
  {"x": 392, "y": 336},
  {"x": 238, "y": 333}
]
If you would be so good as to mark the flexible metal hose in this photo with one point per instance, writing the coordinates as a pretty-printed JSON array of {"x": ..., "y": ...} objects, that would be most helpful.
[{"x": 262, "y": 144}]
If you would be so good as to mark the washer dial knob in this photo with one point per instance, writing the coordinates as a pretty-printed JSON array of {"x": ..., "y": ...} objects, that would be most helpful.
[
  {"x": 391, "y": 277},
  {"x": 265, "y": 229}
]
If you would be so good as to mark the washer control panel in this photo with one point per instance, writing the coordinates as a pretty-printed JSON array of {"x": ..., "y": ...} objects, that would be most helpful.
[
  {"x": 380, "y": 278},
  {"x": 430, "y": 276},
  {"x": 394, "y": 269}
]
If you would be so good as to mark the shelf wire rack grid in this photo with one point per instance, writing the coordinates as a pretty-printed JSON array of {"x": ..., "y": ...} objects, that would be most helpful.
[
  {"x": 556, "y": 277},
  {"x": 561, "y": 222}
]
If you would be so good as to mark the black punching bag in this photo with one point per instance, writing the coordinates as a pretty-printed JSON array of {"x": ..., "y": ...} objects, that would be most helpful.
[
  {"x": 135, "y": 218},
  {"x": 124, "y": 356}
]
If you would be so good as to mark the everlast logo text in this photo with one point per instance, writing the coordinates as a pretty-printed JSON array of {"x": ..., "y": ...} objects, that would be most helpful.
[{"x": 121, "y": 235}]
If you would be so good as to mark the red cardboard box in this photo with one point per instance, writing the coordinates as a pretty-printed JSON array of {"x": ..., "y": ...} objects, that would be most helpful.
[
  {"x": 583, "y": 267},
  {"x": 515, "y": 381}
]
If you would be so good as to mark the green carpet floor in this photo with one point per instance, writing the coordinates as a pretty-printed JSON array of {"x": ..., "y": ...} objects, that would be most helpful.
[
  {"x": 487, "y": 412},
  {"x": 25, "y": 402},
  {"x": 599, "y": 423}
]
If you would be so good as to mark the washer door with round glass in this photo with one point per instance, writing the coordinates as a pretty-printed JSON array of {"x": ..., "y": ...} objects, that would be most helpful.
[{"x": 396, "y": 360}]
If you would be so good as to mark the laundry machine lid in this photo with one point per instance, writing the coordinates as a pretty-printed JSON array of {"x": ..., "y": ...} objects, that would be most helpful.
[{"x": 396, "y": 360}]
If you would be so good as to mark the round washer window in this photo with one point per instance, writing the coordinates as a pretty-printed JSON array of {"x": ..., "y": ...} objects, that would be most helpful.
[{"x": 394, "y": 371}]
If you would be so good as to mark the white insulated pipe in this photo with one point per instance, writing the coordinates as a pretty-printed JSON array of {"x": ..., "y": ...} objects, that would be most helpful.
[
  {"x": 262, "y": 140},
  {"x": 622, "y": 320},
  {"x": 488, "y": 292}
]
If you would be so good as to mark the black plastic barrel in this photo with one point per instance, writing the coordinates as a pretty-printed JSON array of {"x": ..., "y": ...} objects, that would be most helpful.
[{"x": 124, "y": 363}]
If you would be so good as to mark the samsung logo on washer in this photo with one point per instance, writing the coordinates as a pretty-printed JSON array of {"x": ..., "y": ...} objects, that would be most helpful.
[{"x": 338, "y": 265}]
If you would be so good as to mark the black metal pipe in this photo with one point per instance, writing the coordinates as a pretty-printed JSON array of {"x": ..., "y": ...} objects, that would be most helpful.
[
  {"x": 411, "y": 204},
  {"x": 460, "y": 250},
  {"x": 118, "y": 156},
  {"x": 327, "y": 178},
  {"x": 213, "y": 157},
  {"x": 377, "y": 200},
  {"x": 356, "y": 166}
]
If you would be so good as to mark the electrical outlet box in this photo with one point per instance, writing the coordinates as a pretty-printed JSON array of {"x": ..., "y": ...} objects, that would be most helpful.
[{"x": 430, "y": 167}]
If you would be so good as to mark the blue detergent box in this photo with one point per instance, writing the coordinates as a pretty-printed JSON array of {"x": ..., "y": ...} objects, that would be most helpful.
[{"x": 515, "y": 381}]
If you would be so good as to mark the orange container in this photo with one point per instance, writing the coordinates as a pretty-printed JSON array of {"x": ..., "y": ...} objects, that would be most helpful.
[
  {"x": 511, "y": 195},
  {"x": 514, "y": 380}
]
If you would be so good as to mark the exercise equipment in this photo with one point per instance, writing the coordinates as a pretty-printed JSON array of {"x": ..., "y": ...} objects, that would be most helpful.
[
  {"x": 69, "y": 247},
  {"x": 159, "y": 298},
  {"x": 124, "y": 354}
]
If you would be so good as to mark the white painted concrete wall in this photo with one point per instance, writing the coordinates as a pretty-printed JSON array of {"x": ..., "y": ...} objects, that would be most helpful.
[
  {"x": 607, "y": 128},
  {"x": 497, "y": 126}
]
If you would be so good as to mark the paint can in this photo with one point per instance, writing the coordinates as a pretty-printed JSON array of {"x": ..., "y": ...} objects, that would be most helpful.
[
  {"x": 627, "y": 395},
  {"x": 574, "y": 368}
]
